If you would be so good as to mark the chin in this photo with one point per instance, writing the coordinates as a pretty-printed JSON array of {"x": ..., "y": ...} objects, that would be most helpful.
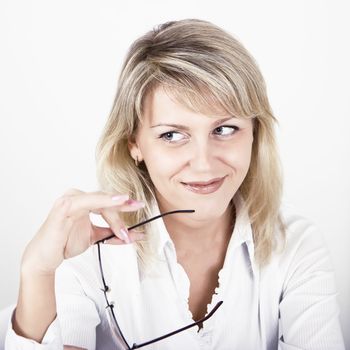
[{"x": 205, "y": 209}]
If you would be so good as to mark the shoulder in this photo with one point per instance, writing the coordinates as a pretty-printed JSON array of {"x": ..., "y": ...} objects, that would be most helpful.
[
  {"x": 303, "y": 252},
  {"x": 302, "y": 235}
]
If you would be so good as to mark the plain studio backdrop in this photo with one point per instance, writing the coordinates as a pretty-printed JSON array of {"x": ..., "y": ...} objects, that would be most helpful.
[{"x": 59, "y": 64}]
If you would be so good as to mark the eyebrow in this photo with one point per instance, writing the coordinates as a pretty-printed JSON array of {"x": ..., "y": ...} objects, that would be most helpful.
[{"x": 184, "y": 127}]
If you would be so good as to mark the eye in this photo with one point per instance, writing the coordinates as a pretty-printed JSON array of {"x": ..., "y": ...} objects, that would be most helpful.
[
  {"x": 226, "y": 130},
  {"x": 169, "y": 136}
]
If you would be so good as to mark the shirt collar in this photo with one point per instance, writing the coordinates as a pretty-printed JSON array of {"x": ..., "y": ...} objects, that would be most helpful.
[{"x": 242, "y": 232}]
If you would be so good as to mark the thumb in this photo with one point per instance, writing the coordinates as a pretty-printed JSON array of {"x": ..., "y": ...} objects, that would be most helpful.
[{"x": 99, "y": 233}]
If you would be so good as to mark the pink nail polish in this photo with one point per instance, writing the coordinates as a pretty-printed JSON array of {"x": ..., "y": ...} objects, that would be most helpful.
[
  {"x": 124, "y": 233},
  {"x": 135, "y": 203}
]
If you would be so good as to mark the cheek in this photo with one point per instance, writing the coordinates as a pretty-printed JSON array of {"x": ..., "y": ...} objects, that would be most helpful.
[
  {"x": 238, "y": 155},
  {"x": 245, "y": 155},
  {"x": 163, "y": 164}
]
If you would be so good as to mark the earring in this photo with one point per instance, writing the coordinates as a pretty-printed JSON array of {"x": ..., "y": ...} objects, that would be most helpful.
[{"x": 137, "y": 161}]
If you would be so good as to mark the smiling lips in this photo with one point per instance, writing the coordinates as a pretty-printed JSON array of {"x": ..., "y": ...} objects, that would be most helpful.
[{"x": 204, "y": 187}]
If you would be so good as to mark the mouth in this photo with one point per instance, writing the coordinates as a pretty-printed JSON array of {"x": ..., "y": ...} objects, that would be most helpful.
[{"x": 204, "y": 187}]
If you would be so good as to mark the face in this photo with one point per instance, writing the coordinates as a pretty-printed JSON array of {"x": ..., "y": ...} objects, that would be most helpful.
[{"x": 182, "y": 149}]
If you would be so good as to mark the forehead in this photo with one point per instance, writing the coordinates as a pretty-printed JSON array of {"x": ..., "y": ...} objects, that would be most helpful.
[{"x": 163, "y": 105}]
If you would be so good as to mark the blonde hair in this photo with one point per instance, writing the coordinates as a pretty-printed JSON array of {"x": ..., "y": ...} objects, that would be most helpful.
[{"x": 204, "y": 67}]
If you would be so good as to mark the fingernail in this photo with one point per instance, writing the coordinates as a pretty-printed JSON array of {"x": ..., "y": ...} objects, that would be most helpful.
[
  {"x": 120, "y": 197},
  {"x": 135, "y": 203},
  {"x": 124, "y": 233}
]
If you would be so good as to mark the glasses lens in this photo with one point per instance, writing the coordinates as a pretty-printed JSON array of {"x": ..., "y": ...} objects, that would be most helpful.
[{"x": 115, "y": 331}]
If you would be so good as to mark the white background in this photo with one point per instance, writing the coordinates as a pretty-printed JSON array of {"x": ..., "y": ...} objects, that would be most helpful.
[{"x": 59, "y": 63}]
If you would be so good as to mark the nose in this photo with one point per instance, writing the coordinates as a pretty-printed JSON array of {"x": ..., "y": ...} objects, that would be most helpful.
[{"x": 201, "y": 157}]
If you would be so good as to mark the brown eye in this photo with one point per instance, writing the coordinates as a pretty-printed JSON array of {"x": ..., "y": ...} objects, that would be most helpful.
[{"x": 226, "y": 130}]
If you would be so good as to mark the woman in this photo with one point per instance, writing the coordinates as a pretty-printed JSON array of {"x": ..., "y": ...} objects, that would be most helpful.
[{"x": 190, "y": 129}]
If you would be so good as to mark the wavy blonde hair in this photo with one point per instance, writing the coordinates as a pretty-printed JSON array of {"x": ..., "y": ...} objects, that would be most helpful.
[{"x": 206, "y": 69}]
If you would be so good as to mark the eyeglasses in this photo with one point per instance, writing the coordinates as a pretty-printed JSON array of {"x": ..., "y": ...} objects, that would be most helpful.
[{"x": 116, "y": 332}]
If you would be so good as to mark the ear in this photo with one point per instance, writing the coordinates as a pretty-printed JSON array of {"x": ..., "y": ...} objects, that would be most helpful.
[{"x": 134, "y": 149}]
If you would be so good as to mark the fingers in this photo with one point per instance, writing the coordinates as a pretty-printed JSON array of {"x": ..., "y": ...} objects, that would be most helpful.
[
  {"x": 100, "y": 233},
  {"x": 110, "y": 215},
  {"x": 127, "y": 206},
  {"x": 133, "y": 237},
  {"x": 117, "y": 227},
  {"x": 131, "y": 205},
  {"x": 76, "y": 204},
  {"x": 90, "y": 202}
]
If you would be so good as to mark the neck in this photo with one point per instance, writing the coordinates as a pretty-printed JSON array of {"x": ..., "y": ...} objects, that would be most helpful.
[{"x": 201, "y": 236}]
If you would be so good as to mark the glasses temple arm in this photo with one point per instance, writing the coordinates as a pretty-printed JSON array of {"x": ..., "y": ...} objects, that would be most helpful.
[
  {"x": 137, "y": 346},
  {"x": 149, "y": 220}
]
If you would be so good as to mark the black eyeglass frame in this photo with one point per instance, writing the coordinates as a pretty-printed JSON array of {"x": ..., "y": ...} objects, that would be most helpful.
[{"x": 105, "y": 289}]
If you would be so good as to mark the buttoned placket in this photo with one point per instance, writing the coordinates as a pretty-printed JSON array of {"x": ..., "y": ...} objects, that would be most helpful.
[
  {"x": 182, "y": 283},
  {"x": 182, "y": 286}
]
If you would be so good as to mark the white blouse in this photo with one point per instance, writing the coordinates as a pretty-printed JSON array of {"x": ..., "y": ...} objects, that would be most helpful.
[{"x": 289, "y": 304}]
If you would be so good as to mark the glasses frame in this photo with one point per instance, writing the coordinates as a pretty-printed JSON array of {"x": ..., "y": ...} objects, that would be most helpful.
[{"x": 105, "y": 289}]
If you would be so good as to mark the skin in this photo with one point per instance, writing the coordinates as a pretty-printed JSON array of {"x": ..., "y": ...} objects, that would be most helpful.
[
  {"x": 198, "y": 154},
  {"x": 201, "y": 147}
]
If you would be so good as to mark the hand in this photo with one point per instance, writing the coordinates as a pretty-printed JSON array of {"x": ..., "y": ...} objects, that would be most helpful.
[{"x": 68, "y": 231}]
